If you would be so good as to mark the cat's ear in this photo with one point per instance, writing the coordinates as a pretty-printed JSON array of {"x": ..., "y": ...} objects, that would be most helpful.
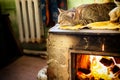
[
  {"x": 60, "y": 10},
  {"x": 71, "y": 14},
  {"x": 74, "y": 14}
]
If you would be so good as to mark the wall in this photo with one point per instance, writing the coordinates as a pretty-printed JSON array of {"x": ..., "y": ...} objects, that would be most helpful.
[
  {"x": 9, "y": 49},
  {"x": 74, "y": 3},
  {"x": 8, "y": 7}
]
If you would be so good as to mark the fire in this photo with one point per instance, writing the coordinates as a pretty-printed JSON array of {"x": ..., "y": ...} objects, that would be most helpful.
[
  {"x": 97, "y": 68},
  {"x": 103, "y": 47}
]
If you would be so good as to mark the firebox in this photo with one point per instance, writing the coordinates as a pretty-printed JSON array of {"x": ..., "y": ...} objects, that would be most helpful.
[
  {"x": 83, "y": 54},
  {"x": 93, "y": 65}
]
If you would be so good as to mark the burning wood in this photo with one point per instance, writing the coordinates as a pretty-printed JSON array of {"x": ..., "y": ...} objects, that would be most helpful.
[
  {"x": 100, "y": 68},
  {"x": 115, "y": 68},
  {"x": 107, "y": 61}
]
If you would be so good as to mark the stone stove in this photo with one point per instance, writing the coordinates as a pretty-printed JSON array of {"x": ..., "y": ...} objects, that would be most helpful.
[{"x": 72, "y": 54}]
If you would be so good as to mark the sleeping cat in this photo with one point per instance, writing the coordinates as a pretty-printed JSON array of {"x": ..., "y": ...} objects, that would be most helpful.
[{"x": 86, "y": 13}]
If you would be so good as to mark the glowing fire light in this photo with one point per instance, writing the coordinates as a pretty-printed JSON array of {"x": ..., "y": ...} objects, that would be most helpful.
[
  {"x": 101, "y": 67},
  {"x": 103, "y": 47},
  {"x": 99, "y": 70}
]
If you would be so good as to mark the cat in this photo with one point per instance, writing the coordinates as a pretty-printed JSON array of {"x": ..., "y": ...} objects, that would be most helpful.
[
  {"x": 115, "y": 13},
  {"x": 85, "y": 14}
]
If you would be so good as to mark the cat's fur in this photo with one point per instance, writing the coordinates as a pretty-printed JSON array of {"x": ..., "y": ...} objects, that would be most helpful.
[
  {"x": 115, "y": 13},
  {"x": 86, "y": 13}
]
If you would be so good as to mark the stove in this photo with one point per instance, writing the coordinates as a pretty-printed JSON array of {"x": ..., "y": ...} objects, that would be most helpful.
[{"x": 83, "y": 54}]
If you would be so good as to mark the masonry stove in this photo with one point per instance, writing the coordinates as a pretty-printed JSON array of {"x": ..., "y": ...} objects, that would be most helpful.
[{"x": 83, "y": 54}]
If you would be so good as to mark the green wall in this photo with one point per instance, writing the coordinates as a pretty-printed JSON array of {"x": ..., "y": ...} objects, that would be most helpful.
[
  {"x": 8, "y": 7},
  {"x": 74, "y": 3}
]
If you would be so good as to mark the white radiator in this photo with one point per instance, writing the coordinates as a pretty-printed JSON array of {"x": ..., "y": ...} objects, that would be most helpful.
[{"x": 29, "y": 20}]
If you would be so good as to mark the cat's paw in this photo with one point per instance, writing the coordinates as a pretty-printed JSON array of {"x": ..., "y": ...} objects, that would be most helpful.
[{"x": 115, "y": 15}]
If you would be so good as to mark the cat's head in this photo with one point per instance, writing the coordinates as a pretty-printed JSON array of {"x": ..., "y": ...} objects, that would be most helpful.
[
  {"x": 117, "y": 2},
  {"x": 67, "y": 17}
]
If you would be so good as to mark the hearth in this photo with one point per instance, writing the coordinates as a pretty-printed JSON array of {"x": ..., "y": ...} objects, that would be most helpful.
[{"x": 83, "y": 54}]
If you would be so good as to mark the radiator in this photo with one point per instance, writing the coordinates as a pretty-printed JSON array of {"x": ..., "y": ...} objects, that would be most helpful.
[{"x": 29, "y": 20}]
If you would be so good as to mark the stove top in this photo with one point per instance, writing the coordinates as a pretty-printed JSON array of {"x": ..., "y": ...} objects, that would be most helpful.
[{"x": 55, "y": 29}]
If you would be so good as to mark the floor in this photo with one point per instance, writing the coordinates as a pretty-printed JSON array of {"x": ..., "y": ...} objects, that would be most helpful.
[{"x": 24, "y": 68}]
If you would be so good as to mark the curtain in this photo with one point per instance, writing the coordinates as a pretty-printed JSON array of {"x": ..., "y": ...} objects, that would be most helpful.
[{"x": 50, "y": 11}]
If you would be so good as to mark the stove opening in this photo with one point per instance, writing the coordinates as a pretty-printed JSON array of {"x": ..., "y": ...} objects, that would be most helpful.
[{"x": 89, "y": 65}]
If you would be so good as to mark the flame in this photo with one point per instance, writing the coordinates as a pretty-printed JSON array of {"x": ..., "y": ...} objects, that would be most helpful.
[
  {"x": 97, "y": 67},
  {"x": 99, "y": 70},
  {"x": 103, "y": 47}
]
